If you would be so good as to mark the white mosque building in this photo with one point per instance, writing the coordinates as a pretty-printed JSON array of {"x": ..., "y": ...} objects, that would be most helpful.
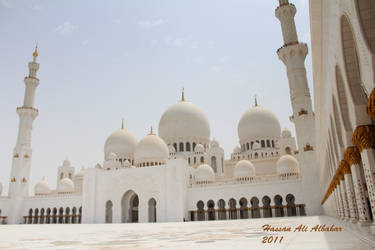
[{"x": 180, "y": 173}]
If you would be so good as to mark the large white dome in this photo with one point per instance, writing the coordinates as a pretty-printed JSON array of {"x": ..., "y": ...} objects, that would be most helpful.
[
  {"x": 66, "y": 185},
  {"x": 287, "y": 164},
  {"x": 256, "y": 123},
  {"x": 244, "y": 168},
  {"x": 151, "y": 149},
  {"x": 122, "y": 142},
  {"x": 42, "y": 187},
  {"x": 184, "y": 119},
  {"x": 204, "y": 173}
]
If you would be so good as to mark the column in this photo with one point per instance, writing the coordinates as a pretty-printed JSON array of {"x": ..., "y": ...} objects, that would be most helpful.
[
  {"x": 344, "y": 196},
  {"x": 353, "y": 157},
  {"x": 353, "y": 212},
  {"x": 364, "y": 139},
  {"x": 341, "y": 203}
]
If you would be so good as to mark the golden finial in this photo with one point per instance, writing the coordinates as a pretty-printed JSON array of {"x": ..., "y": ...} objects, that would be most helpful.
[
  {"x": 122, "y": 124},
  {"x": 255, "y": 101},
  {"x": 183, "y": 95},
  {"x": 151, "y": 133},
  {"x": 35, "y": 54}
]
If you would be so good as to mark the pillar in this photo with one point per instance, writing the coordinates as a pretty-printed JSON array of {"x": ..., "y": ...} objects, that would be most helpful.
[
  {"x": 353, "y": 212},
  {"x": 364, "y": 139},
  {"x": 353, "y": 157}
]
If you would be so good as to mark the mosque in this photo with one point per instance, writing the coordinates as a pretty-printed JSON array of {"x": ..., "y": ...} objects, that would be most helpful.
[{"x": 181, "y": 174}]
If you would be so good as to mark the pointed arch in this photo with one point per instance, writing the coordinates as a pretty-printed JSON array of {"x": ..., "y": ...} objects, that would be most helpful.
[
  {"x": 108, "y": 211},
  {"x": 366, "y": 13},
  {"x": 352, "y": 69},
  {"x": 129, "y": 207},
  {"x": 152, "y": 210},
  {"x": 343, "y": 100}
]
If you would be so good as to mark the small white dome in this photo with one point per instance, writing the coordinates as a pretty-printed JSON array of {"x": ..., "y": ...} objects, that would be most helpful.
[
  {"x": 42, "y": 187},
  {"x": 286, "y": 133},
  {"x": 112, "y": 156},
  {"x": 287, "y": 164},
  {"x": 80, "y": 174},
  {"x": 122, "y": 142},
  {"x": 184, "y": 120},
  {"x": 1, "y": 188},
  {"x": 199, "y": 148},
  {"x": 171, "y": 149},
  {"x": 66, "y": 163},
  {"x": 237, "y": 150},
  {"x": 256, "y": 123},
  {"x": 66, "y": 185},
  {"x": 214, "y": 143},
  {"x": 256, "y": 146},
  {"x": 126, "y": 163},
  {"x": 244, "y": 168},
  {"x": 151, "y": 149},
  {"x": 204, "y": 173}
]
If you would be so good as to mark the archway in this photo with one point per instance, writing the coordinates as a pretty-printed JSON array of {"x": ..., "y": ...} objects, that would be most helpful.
[
  {"x": 279, "y": 210},
  {"x": 74, "y": 215},
  {"x": 152, "y": 210},
  {"x": 30, "y": 219},
  {"x": 54, "y": 216},
  {"x": 211, "y": 210},
  {"x": 41, "y": 221},
  {"x": 80, "y": 215},
  {"x": 255, "y": 211},
  {"x": 291, "y": 206},
  {"x": 366, "y": 13},
  {"x": 222, "y": 215},
  {"x": 61, "y": 214},
  {"x": 36, "y": 216},
  {"x": 48, "y": 218},
  {"x": 200, "y": 210},
  {"x": 267, "y": 210},
  {"x": 213, "y": 164},
  {"x": 108, "y": 211},
  {"x": 67, "y": 215},
  {"x": 244, "y": 211},
  {"x": 129, "y": 207},
  {"x": 232, "y": 209},
  {"x": 351, "y": 63},
  {"x": 343, "y": 100}
]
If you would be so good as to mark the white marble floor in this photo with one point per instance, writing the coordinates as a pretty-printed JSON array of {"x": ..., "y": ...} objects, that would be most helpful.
[{"x": 233, "y": 234}]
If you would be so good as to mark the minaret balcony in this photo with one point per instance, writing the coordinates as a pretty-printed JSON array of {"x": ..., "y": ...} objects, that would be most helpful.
[
  {"x": 27, "y": 111},
  {"x": 31, "y": 80},
  {"x": 293, "y": 54}
]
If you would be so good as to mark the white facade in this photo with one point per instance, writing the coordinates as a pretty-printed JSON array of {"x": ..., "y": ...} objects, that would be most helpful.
[{"x": 181, "y": 175}]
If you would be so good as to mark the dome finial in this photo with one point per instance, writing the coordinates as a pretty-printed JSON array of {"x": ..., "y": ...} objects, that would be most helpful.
[
  {"x": 183, "y": 95},
  {"x": 122, "y": 123},
  {"x": 255, "y": 101},
  {"x": 151, "y": 133},
  {"x": 35, "y": 53}
]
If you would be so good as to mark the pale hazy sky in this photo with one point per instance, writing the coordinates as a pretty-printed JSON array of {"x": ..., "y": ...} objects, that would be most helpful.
[{"x": 101, "y": 61}]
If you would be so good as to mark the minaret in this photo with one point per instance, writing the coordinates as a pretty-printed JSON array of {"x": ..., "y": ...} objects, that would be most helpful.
[
  {"x": 293, "y": 54},
  {"x": 20, "y": 172}
]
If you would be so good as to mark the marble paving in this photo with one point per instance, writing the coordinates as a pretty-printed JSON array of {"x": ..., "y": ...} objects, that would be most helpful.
[{"x": 231, "y": 234}]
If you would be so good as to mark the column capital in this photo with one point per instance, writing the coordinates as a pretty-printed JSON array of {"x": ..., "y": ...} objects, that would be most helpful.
[
  {"x": 370, "y": 106},
  {"x": 352, "y": 155},
  {"x": 364, "y": 137}
]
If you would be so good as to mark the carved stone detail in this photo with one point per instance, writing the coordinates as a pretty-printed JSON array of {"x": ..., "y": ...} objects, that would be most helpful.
[
  {"x": 370, "y": 106},
  {"x": 352, "y": 155},
  {"x": 364, "y": 137}
]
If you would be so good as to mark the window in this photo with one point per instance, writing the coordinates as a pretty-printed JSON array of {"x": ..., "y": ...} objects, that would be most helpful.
[
  {"x": 181, "y": 147},
  {"x": 247, "y": 146},
  {"x": 202, "y": 159},
  {"x": 188, "y": 146},
  {"x": 268, "y": 143},
  {"x": 263, "y": 144}
]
